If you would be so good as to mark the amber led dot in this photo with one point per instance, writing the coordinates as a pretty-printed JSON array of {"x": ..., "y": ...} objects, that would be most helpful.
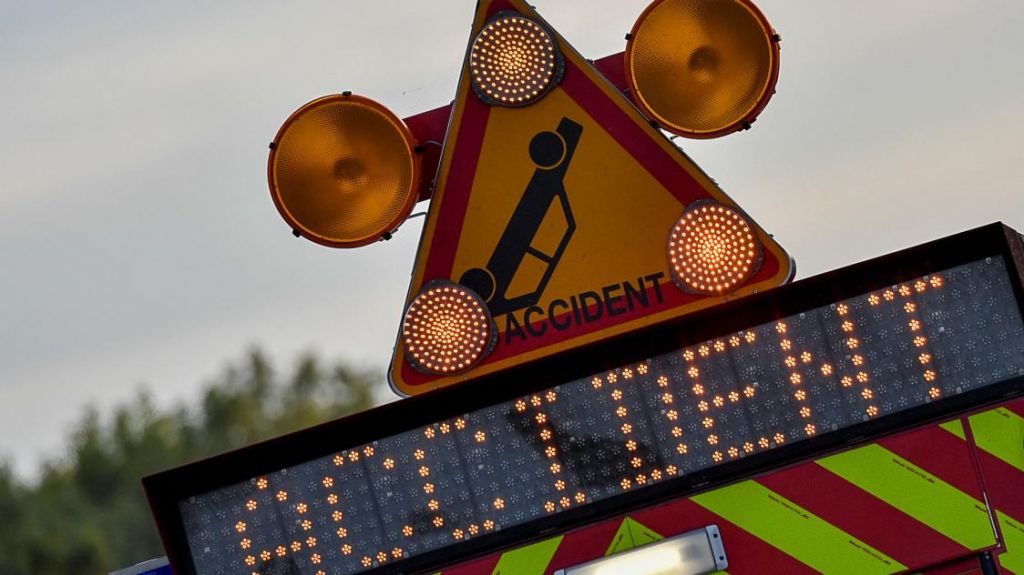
[
  {"x": 513, "y": 61},
  {"x": 447, "y": 329},
  {"x": 712, "y": 249}
]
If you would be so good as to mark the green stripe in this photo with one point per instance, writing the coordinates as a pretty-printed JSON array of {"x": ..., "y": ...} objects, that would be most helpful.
[
  {"x": 631, "y": 534},
  {"x": 1013, "y": 536},
  {"x": 794, "y": 530},
  {"x": 915, "y": 492},
  {"x": 529, "y": 560},
  {"x": 1000, "y": 432},
  {"x": 956, "y": 427},
  {"x": 641, "y": 534},
  {"x": 622, "y": 541}
]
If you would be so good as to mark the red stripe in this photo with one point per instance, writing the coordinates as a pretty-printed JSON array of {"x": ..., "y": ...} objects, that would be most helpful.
[
  {"x": 452, "y": 211},
  {"x": 613, "y": 68},
  {"x": 483, "y": 566},
  {"x": 863, "y": 515},
  {"x": 1016, "y": 406},
  {"x": 461, "y": 173},
  {"x": 499, "y": 5},
  {"x": 584, "y": 545},
  {"x": 746, "y": 552},
  {"x": 969, "y": 566},
  {"x": 941, "y": 453},
  {"x": 1005, "y": 484}
]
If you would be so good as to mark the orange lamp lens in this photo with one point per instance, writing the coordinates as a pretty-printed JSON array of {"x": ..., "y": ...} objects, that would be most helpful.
[
  {"x": 702, "y": 68},
  {"x": 514, "y": 61},
  {"x": 343, "y": 171},
  {"x": 447, "y": 329},
  {"x": 712, "y": 249}
]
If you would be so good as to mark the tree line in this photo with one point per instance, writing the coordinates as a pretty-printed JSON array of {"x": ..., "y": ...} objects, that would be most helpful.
[{"x": 87, "y": 513}]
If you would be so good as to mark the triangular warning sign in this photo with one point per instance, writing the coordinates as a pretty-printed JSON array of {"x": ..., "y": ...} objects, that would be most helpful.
[{"x": 558, "y": 213}]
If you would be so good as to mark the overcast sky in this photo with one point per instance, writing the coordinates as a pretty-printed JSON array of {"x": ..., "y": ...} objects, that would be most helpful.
[{"x": 139, "y": 246}]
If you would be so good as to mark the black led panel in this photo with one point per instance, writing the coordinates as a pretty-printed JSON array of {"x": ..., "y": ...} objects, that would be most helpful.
[{"x": 767, "y": 380}]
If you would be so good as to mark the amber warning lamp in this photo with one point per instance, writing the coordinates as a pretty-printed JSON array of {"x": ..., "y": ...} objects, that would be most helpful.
[
  {"x": 344, "y": 171},
  {"x": 702, "y": 68}
]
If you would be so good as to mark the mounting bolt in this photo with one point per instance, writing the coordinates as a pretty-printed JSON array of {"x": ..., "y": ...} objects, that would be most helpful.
[
  {"x": 296, "y": 233},
  {"x": 347, "y": 93},
  {"x": 273, "y": 145}
]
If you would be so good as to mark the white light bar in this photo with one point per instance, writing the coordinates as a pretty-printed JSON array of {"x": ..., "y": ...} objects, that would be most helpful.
[
  {"x": 152, "y": 567},
  {"x": 696, "y": 552}
]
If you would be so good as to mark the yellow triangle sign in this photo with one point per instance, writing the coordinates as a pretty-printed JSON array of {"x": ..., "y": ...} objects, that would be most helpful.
[{"x": 558, "y": 214}]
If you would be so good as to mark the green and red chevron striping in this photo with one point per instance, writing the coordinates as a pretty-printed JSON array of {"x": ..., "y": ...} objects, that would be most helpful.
[
  {"x": 795, "y": 531},
  {"x": 1005, "y": 485},
  {"x": 941, "y": 453},
  {"x": 999, "y": 437},
  {"x": 747, "y": 553},
  {"x": 583, "y": 545},
  {"x": 916, "y": 492},
  {"x": 999, "y": 434},
  {"x": 863, "y": 515}
]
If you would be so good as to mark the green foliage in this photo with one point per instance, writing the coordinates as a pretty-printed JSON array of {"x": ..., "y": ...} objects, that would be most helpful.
[{"x": 88, "y": 513}]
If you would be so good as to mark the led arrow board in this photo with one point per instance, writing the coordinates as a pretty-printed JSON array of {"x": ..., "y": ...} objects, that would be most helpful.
[{"x": 777, "y": 377}]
